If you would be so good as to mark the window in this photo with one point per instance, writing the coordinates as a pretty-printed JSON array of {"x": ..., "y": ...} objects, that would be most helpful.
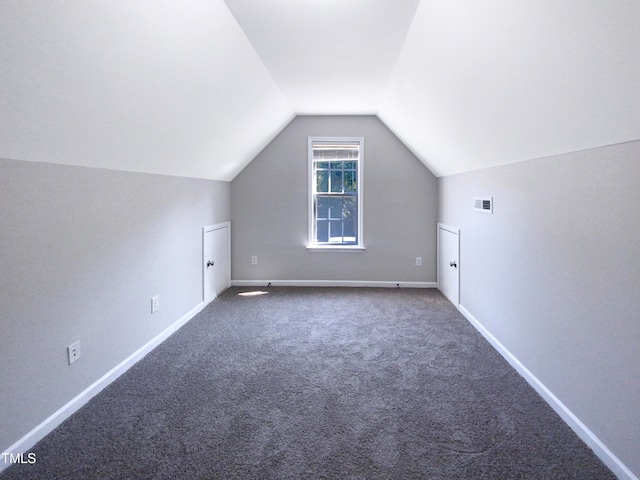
[{"x": 335, "y": 193}]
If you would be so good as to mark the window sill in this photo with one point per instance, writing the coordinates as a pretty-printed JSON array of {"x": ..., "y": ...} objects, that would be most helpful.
[{"x": 335, "y": 248}]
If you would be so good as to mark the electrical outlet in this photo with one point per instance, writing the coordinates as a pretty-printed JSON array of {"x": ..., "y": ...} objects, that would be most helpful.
[
  {"x": 418, "y": 261},
  {"x": 73, "y": 352},
  {"x": 155, "y": 304},
  {"x": 254, "y": 260}
]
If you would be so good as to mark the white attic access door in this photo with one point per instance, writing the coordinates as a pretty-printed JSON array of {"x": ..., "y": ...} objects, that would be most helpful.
[
  {"x": 449, "y": 263},
  {"x": 216, "y": 260}
]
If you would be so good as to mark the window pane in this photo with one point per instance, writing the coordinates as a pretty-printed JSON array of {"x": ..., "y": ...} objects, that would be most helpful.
[
  {"x": 322, "y": 181},
  {"x": 322, "y": 231},
  {"x": 335, "y": 230},
  {"x": 322, "y": 207},
  {"x": 349, "y": 232},
  {"x": 336, "y": 181},
  {"x": 349, "y": 181},
  {"x": 335, "y": 208},
  {"x": 349, "y": 205},
  {"x": 350, "y": 217}
]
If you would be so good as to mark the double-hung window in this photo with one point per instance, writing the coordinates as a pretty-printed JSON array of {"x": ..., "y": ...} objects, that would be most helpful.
[{"x": 335, "y": 187}]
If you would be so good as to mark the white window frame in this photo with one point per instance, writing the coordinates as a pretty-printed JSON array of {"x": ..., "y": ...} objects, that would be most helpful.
[{"x": 338, "y": 247}]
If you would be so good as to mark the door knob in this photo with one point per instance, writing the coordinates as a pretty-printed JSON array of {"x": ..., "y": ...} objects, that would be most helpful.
[
  {"x": 209, "y": 263},
  {"x": 453, "y": 264}
]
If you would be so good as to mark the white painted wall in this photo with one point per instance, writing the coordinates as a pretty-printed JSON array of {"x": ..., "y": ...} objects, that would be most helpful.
[
  {"x": 554, "y": 275},
  {"x": 138, "y": 85},
  {"x": 270, "y": 209},
  {"x": 83, "y": 252}
]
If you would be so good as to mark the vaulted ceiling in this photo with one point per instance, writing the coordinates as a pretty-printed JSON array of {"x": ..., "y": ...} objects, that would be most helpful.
[{"x": 198, "y": 87}]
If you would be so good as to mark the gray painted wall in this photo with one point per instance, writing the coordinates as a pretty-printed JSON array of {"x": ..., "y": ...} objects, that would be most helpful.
[
  {"x": 83, "y": 252},
  {"x": 554, "y": 275},
  {"x": 269, "y": 209}
]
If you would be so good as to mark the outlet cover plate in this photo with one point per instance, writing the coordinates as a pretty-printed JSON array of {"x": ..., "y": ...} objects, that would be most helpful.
[
  {"x": 155, "y": 304},
  {"x": 73, "y": 352}
]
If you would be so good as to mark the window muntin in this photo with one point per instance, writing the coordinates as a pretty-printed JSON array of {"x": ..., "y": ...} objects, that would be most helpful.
[{"x": 336, "y": 192}]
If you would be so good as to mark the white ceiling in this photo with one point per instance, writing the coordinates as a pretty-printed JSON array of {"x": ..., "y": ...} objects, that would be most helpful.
[
  {"x": 328, "y": 56},
  {"x": 486, "y": 83},
  {"x": 198, "y": 87},
  {"x": 171, "y": 87}
]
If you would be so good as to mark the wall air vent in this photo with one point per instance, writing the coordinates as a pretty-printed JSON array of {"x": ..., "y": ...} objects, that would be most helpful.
[{"x": 483, "y": 204}]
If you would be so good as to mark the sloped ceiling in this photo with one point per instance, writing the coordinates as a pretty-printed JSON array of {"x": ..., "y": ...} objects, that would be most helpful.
[
  {"x": 169, "y": 87},
  {"x": 328, "y": 56},
  {"x": 198, "y": 87},
  {"x": 486, "y": 83}
]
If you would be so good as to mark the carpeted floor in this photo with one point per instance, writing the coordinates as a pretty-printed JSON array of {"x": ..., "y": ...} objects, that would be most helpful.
[{"x": 318, "y": 383}]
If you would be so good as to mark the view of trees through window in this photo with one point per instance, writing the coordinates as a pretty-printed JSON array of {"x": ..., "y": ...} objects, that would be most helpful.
[{"x": 335, "y": 171}]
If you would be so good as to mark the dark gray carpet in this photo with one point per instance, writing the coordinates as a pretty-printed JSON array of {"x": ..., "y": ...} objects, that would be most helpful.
[{"x": 318, "y": 383}]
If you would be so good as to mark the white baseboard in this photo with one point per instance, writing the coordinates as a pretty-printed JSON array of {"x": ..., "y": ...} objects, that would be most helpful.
[
  {"x": 331, "y": 283},
  {"x": 48, "y": 425},
  {"x": 600, "y": 449}
]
